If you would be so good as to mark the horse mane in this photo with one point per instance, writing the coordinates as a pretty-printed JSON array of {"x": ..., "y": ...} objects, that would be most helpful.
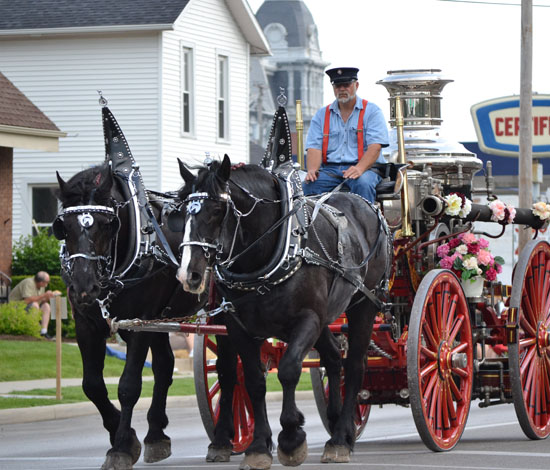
[
  {"x": 90, "y": 186},
  {"x": 249, "y": 176}
]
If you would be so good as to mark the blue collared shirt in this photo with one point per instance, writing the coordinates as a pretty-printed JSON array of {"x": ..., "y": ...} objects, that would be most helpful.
[{"x": 342, "y": 142}]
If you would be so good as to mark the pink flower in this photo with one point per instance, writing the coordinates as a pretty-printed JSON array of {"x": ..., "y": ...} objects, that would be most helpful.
[
  {"x": 443, "y": 250},
  {"x": 453, "y": 243},
  {"x": 511, "y": 213},
  {"x": 447, "y": 262},
  {"x": 491, "y": 274},
  {"x": 484, "y": 257},
  {"x": 497, "y": 206},
  {"x": 468, "y": 238},
  {"x": 498, "y": 268},
  {"x": 483, "y": 243},
  {"x": 473, "y": 248}
]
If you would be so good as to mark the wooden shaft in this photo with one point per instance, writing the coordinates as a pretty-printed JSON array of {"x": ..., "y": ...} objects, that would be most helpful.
[{"x": 299, "y": 134}]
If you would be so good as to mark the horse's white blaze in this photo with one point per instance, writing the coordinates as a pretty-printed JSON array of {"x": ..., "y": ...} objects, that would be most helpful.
[{"x": 185, "y": 257}]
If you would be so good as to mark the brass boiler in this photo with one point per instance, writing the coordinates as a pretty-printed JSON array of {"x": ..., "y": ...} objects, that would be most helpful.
[{"x": 437, "y": 163}]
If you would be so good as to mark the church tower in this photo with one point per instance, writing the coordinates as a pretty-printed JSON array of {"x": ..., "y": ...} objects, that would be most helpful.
[{"x": 296, "y": 64}]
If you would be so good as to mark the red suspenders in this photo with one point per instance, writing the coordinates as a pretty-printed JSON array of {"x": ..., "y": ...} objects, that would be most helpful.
[{"x": 360, "y": 140}]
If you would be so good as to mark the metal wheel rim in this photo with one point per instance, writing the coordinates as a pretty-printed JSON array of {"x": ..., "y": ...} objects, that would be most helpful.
[
  {"x": 208, "y": 396},
  {"x": 529, "y": 358},
  {"x": 440, "y": 391}
]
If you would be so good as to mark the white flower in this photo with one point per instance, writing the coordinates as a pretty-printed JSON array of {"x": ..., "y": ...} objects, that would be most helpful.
[
  {"x": 470, "y": 263},
  {"x": 466, "y": 208},
  {"x": 454, "y": 204},
  {"x": 541, "y": 210},
  {"x": 462, "y": 249}
]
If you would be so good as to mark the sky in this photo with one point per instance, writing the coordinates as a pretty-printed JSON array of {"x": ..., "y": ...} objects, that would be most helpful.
[{"x": 476, "y": 44}]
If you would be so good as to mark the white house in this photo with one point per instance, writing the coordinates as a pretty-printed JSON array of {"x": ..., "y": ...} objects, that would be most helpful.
[{"x": 175, "y": 74}]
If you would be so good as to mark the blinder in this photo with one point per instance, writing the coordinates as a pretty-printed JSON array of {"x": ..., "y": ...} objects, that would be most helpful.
[
  {"x": 58, "y": 228},
  {"x": 176, "y": 221}
]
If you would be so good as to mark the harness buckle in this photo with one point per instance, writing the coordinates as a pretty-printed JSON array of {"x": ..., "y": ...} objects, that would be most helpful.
[{"x": 262, "y": 289}]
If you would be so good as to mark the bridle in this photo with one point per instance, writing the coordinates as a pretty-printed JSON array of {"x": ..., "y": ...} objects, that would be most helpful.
[
  {"x": 105, "y": 264},
  {"x": 194, "y": 203}
]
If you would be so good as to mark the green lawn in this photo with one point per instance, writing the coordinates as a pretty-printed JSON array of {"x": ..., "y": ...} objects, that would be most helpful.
[{"x": 28, "y": 360}]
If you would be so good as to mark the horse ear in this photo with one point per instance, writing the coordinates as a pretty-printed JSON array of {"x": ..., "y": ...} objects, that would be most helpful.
[
  {"x": 225, "y": 169},
  {"x": 104, "y": 179},
  {"x": 187, "y": 176},
  {"x": 62, "y": 186}
]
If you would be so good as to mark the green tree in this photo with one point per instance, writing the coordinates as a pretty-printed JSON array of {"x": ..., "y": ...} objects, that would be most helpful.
[{"x": 38, "y": 253}]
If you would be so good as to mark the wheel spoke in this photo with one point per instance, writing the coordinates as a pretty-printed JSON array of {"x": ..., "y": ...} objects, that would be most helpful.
[
  {"x": 450, "y": 316},
  {"x": 456, "y": 328},
  {"x": 527, "y": 360},
  {"x": 426, "y": 329},
  {"x": 527, "y": 328},
  {"x": 428, "y": 353},
  {"x": 527, "y": 309},
  {"x": 461, "y": 347},
  {"x": 445, "y": 409},
  {"x": 212, "y": 346},
  {"x": 455, "y": 391},
  {"x": 430, "y": 367},
  {"x": 445, "y": 294},
  {"x": 433, "y": 317},
  {"x": 427, "y": 390},
  {"x": 214, "y": 389},
  {"x": 461, "y": 372}
]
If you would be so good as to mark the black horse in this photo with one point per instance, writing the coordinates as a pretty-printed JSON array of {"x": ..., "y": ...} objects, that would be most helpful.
[
  {"x": 96, "y": 223},
  {"x": 237, "y": 222}
]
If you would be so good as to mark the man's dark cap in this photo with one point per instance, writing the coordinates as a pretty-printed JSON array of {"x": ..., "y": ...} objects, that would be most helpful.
[{"x": 342, "y": 74}]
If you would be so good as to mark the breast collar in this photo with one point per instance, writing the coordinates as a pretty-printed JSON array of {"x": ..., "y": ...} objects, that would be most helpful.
[{"x": 286, "y": 259}]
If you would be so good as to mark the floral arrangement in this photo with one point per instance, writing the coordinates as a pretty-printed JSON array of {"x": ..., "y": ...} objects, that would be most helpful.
[
  {"x": 468, "y": 257},
  {"x": 541, "y": 210},
  {"x": 457, "y": 205},
  {"x": 502, "y": 213}
]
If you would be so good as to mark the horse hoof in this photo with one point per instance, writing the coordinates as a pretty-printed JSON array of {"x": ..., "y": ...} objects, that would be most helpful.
[
  {"x": 296, "y": 458},
  {"x": 336, "y": 454},
  {"x": 135, "y": 450},
  {"x": 117, "y": 461},
  {"x": 256, "y": 462},
  {"x": 218, "y": 454},
  {"x": 157, "y": 451}
]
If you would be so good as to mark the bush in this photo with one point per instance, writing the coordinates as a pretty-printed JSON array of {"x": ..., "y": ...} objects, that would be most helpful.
[
  {"x": 15, "y": 320},
  {"x": 56, "y": 283},
  {"x": 38, "y": 253}
]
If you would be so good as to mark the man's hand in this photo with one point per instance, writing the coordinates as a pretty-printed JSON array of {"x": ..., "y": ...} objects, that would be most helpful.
[
  {"x": 312, "y": 175},
  {"x": 353, "y": 172}
]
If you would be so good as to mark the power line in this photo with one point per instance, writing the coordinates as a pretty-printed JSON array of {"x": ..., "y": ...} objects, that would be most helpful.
[{"x": 491, "y": 3}]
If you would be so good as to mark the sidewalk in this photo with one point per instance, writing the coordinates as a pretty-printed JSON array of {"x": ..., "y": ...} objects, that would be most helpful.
[{"x": 44, "y": 413}]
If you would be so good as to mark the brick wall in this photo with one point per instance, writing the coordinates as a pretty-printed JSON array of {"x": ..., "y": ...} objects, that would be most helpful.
[{"x": 6, "y": 203}]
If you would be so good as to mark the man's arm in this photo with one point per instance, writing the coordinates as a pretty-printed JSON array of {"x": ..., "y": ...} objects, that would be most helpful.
[
  {"x": 313, "y": 163},
  {"x": 39, "y": 298},
  {"x": 368, "y": 159}
]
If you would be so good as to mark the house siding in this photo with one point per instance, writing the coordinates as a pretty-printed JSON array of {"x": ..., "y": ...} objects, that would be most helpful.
[
  {"x": 61, "y": 76},
  {"x": 208, "y": 27}
]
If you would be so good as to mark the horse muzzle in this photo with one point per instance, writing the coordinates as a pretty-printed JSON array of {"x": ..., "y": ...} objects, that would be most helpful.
[{"x": 192, "y": 281}]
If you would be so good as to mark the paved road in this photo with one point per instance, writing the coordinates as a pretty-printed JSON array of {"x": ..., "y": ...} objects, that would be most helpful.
[{"x": 492, "y": 440}]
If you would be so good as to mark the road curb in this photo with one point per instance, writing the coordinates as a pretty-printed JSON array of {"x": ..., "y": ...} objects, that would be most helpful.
[{"x": 71, "y": 410}]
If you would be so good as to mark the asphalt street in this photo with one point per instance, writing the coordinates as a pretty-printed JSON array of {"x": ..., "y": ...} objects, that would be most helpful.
[{"x": 493, "y": 440}]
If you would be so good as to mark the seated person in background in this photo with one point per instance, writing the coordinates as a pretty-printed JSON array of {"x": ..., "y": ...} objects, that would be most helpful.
[
  {"x": 33, "y": 292},
  {"x": 344, "y": 140}
]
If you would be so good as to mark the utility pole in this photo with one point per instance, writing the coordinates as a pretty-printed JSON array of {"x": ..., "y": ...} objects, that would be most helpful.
[{"x": 526, "y": 116}]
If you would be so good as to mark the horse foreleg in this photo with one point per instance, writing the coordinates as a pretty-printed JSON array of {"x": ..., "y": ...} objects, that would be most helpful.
[
  {"x": 91, "y": 344},
  {"x": 126, "y": 448},
  {"x": 292, "y": 448},
  {"x": 157, "y": 443},
  {"x": 226, "y": 366},
  {"x": 258, "y": 455},
  {"x": 339, "y": 447}
]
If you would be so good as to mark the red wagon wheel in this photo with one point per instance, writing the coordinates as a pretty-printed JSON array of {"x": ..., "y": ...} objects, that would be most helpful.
[
  {"x": 440, "y": 360},
  {"x": 319, "y": 382},
  {"x": 207, "y": 389},
  {"x": 529, "y": 354}
]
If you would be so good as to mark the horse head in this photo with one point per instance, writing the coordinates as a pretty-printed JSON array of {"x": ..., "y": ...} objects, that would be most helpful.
[
  {"x": 207, "y": 202},
  {"x": 88, "y": 223}
]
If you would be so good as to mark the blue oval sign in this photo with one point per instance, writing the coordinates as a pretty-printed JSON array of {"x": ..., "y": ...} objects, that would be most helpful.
[{"x": 496, "y": 123}]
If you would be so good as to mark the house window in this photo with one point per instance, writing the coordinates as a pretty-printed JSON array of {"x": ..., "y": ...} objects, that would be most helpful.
[
  {"x": 187, "y": 113},
  {"x": 44, "y": 208},
  {"x": 223, "y": 102}
]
